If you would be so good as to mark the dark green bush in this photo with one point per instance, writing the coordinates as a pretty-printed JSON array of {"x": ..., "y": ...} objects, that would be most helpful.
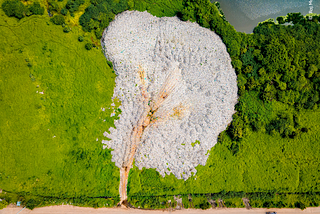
[
  {"x": 14, "y": 9},
  {"x": 93, "y": 20},
  {"x": 300, "y": 205},
  {"x": 80, "y": 38},
  {"x": 58, "y": 19},
  {"x": 88, "y": 46},
  {"x": 64, "y": 11},
  {"x": 32, "y": 203},
  {"x": 3, "y": 204},
  {"x": 110, "y": 64},
  {"x": 53, "y": 6},
  {"x": 73, "y": 5},
  {"x": 281, "y": 20},
  {"x": 66, "y": 29},
  {"x": 36, "y": 9}
]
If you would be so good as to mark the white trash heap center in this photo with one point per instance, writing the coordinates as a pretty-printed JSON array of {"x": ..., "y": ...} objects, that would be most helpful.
[{"x": 201, "y": 101}]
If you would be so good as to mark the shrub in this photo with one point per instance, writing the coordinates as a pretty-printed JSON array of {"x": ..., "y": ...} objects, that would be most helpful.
[
  {"x": 64, "y": 11},
  {"x": 300, "y": 205},
  {"x": 110, "y": 64},
  {"x": 88, "y": 46},
  {"x": 36, "y": 9},
  {"x": 98, "y": 32},
  {"x": 66, "y": 29},
  {"x": 294, "y": 18},
  {"x": 80, "y": 38},
  {"x": 27, "y": 12},
  {"x": 237, "y": 64},
  {"x": 14, "y": 8},
  {"x": 281, "y": 20},
  {"x": 31, "y": 204},
  {"x": 58, "y": 19},
  {"x": 99, "y": 14},
  {"x": 53, "y": 6},
  {"x": 3, "y": 204},
  {"x": 73, "y": 5}
]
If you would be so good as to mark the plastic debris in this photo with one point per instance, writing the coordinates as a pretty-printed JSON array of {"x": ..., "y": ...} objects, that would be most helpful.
[{"x": 200, "y": 105}]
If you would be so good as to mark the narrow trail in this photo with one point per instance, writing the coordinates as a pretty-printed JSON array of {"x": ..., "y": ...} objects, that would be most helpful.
[{"x": 147, "y": 118}]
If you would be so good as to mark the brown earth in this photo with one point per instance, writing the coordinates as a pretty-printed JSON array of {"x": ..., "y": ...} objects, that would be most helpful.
[{"x": 146, "y": 118}]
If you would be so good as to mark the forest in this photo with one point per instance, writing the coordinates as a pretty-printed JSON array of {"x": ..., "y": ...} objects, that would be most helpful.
[{"x": 55, "y": 84}]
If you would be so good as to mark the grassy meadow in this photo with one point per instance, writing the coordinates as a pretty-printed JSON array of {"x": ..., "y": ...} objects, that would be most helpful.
[{"x": 51, "y": 94}]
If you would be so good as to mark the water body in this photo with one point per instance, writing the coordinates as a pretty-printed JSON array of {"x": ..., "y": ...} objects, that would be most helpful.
[{"x": 244, "y": 15}]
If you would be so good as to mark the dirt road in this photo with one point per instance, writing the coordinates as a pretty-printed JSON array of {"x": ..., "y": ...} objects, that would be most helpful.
[
  {"x": 146, "y": 119},
  {"x": 68, "y": 209}
]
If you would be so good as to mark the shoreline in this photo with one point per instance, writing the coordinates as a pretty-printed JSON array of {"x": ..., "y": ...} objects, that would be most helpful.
[{"x": 242, "y": 23}]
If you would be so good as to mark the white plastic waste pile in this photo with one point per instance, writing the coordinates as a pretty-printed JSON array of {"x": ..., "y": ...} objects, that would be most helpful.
[{"x": 199, "y": 107}]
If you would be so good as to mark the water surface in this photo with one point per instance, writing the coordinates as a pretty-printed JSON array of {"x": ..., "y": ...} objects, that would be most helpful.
[{"x": 244, "y": 15}]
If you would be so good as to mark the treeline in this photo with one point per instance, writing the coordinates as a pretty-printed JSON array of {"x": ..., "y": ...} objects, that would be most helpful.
[
  {"x": 198, "y": 201},
  {"x": 32, "y": 201},
  {"x": 276, "y": 63},
  {"x": 228, "y": 200},
  {"x": 99, "y": 14},
  {"x": 70, "y": 7},
  {"x": 15, "y": 8}
]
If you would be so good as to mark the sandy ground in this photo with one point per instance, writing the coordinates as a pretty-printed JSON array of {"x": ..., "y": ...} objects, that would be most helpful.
[{"x": 68, "y": 209}]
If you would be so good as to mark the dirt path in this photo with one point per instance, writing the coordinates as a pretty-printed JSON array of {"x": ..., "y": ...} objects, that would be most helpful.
[
  {"x": 68, "y": 209},
  {"x": 135, "y": 138},
  {"x": 150, "y": 105}
]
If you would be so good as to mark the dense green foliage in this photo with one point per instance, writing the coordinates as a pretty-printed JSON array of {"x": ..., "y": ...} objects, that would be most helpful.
[
  {"x": 101, "y": 12},
  {"x": 32, "y": 201},
  {"x": 66, "y": 29},
  {"x": 3, "y": 204},
  {"x": 53, "y": 6},
  {"x": 58, "y": 19},
  {"x": 36, "y": 8},
  {"x": 16, "y": 9},
  {"x": 80, "y": 38},
  {"x": 64, "y": 11},
  {"x": 88, "y": 46},
  {"x": 73, "y": 5},
  {"x": 280, "y": 64},
  {"x": 229, "y": 200},
  {"x": 98, "y": 15},
  {"x": 49, "y": 138},
  {"x": 284, "y": 200}
]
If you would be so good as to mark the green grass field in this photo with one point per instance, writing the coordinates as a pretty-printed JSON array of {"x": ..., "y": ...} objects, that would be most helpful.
[{"x": 48, "y": 141}]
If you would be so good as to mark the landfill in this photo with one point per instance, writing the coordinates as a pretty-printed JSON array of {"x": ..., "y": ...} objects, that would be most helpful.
[{"x": 190, "y": 84}]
